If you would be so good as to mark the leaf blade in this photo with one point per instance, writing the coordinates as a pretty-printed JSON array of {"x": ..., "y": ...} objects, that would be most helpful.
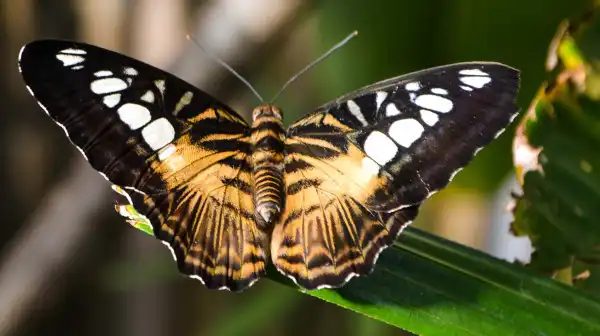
[{"x": 429, "y": 285}]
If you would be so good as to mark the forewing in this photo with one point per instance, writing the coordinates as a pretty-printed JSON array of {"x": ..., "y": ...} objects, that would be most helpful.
[
  {"x": 358, "y": 168},
  {"x": 181, "y": 155},
  {"x": 419, "y": 129}
]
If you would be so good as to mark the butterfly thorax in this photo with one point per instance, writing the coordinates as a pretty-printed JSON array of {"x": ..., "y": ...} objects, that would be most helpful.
[{"x": 267, "y": 138}]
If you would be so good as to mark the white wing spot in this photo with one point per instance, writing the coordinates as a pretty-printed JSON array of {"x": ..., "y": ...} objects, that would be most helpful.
[
  {"x": 21, "y": 52},
  {"x": 429, "y": 117},
  {"x": 356, "y": 112},
  {"x": 391, "y": 110},
  {"x": 476, "y": 81},
  {"x": 63, "y": 128},
  {"x": 29, "y": 89},
  {"x": 158, "y": 133},
  {"x": 412, "y": 86},
  {"x": 77, "y": 67},
  {"x": 148, "y": 97},
  {"x": 406, "y": 131},
  {"x": 499, "y": 133},
  {"x": 135, "y": 189},
  {"x": 369, "y": 166},
  {"x": 74, "y": 51},
  {"x": 81, "y": 151},
  {"x": 103, "y": 175},
  {"x": 164, "y": 153},
  {"x": 160, "y": 84},
  {"x": 103, "y": 73},
  {"x": 69, "y": 60},
  {"x": 129, "y": 71},
  {"x": 108, "y": 85},
  {"x": 466, "y": 88},
  {"x": 439, "y": 91},
  {"x": 379, "y": 98},
  {"x": 134, "y": 115},
  {"x": 112, "y": 100},
  {"x": 435, "y": 103},
  {"x": 473, "y": 72},
  {"x": 454, "y": 174},
  {"x": 380, "y": 148},
  {"x": 48, "y": 113},
  {"x": 175, "y": 257},
  {"x": 185, "y": 99}
]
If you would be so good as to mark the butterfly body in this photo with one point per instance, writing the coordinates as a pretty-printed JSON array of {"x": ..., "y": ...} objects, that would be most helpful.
[
  {"x": 268, "y": 143},
  {"x": 321, "y": 199}
]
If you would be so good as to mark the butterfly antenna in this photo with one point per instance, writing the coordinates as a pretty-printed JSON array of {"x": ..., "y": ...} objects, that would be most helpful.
[
  {"x": 313, "y": 63},
  {"x": 225, "y": 65}
]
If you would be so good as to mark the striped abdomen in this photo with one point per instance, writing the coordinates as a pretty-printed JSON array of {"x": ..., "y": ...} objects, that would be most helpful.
[{"x": 268, "y": 138}]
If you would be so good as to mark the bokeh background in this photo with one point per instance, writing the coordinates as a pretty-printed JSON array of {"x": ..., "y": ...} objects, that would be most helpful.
[{"x": 70, "y": 266}]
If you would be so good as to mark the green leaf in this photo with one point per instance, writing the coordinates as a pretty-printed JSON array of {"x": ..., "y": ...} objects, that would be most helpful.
[
  {"x": 430, "y": 286},
  {"x": 134, "y": 218},
  {"x": 556, "y": 155}
]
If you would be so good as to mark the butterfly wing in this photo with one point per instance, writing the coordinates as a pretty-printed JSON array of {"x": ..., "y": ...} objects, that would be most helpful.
[
  {"x": 181, "y": 156},
  {"x": 326, "y": 233},
  {"x": 358, "y": 168}
]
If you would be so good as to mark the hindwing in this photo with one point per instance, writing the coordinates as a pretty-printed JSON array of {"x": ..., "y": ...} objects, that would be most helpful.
[
  {"x": 327, "y": 234},
  {"x": 181, "y": 156}
]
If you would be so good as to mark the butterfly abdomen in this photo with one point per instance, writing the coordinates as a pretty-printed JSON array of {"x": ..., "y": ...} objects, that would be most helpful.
[{"x": 268, "y": 138}]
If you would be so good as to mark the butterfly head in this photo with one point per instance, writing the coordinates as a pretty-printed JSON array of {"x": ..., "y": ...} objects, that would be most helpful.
[{"x": 268, "y": 110}]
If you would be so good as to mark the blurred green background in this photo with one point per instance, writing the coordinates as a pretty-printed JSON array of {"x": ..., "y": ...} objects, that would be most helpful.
[{"x": 105, "y": 278}]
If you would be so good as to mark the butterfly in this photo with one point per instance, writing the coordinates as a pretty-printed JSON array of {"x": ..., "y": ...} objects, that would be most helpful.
[{"x": 320, "y": 199}]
